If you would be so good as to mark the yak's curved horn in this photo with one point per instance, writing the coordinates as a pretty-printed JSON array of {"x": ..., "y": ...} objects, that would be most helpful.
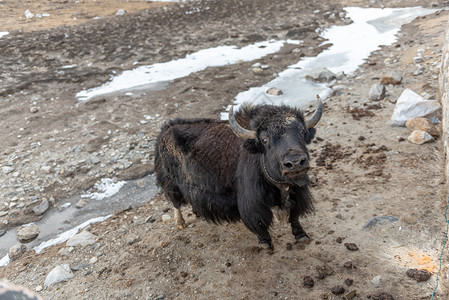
[
  {"x": 310, "y": 123},
  {"x": 239, "y": 130}
]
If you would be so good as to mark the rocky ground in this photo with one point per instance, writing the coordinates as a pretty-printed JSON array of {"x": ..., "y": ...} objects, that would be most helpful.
[{"x": 365, "y": 171}]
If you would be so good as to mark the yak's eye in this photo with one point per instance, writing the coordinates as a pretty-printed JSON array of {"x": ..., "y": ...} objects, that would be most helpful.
[{"x": 264, "y": 140}]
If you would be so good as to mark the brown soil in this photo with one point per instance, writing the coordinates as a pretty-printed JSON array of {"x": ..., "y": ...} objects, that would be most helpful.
[{"x": 362, "y": 168}]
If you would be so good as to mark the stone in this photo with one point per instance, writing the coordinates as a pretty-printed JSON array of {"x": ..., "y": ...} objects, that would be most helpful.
[
  {"x": 376, "y": 280},
  {"x": 81, "y": 203},
  {"x": 7, "y": 169},
  {"x": 132, "y": 238},
  {"x": 34, "y": 109},
  {"x": 257, "y": 70},
  {"x": 120, "y": 12},
  {"x": 423, "y": 124},
  {"x": 274, "y": 91},
  {"x": 27, "y": 234},
  {"x": 392, "y": 77},
  {"x": 418, "y": 59},
  {"x": 3, "y": 213},
  {"x": 377, "y": 92},
  {"x": 59, "y": 274},
  {"x": 93, "y": 260},
  {"x": 84, "y": 238},
  {"x": 41, "y": 208},
  {"x": 166, "y": 217},
  {"x": 16, "y": 250},
  {"x": 2, "y": 232},
  {"x": 420, "y": 137},
  {"x": 321, "y": 75}
]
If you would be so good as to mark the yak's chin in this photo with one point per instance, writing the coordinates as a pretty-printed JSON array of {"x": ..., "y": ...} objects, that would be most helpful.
[{"x": 299, "y": 179}]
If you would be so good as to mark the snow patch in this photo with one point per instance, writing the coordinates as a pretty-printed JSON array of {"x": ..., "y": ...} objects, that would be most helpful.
[
  {"x": 106, "y": 188},
  {"x": 163, "y": 72}
]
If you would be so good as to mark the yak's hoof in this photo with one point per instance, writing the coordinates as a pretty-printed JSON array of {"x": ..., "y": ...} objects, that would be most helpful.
[
  {"x": 181, "y": 225},
  {"x": 303, "y": 238},
  {"x": 266, "y": 245}
]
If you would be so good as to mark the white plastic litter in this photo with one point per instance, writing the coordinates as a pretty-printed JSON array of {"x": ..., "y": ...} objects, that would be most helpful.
[{"x": 411, "y": 105}]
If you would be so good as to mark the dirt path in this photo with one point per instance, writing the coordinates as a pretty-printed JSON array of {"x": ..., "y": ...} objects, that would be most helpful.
[{"x": 363, "y": 169}]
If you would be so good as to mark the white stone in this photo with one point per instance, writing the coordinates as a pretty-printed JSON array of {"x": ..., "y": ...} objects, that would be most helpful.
[
  {"x": 59, "y": 274},
  {"x": 84, "y": 238}
]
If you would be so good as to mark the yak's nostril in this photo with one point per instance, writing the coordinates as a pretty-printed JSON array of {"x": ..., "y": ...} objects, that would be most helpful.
[
  {"x": 303, "y": 163},
  {"x": 288, "y": 165}
]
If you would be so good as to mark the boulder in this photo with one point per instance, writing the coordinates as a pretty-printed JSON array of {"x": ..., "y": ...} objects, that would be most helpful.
[
  {"x": 420, "y": 137},
  {"x": 424, "y": 125}
]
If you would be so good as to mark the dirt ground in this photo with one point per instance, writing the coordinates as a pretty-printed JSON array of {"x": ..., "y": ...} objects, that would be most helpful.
[{"x": 362, "y": 168}]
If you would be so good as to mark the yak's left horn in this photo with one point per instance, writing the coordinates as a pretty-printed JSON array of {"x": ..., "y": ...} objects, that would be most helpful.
[
  {"x": 239, "y": 130},
  {"x": 310, "y": 123}
]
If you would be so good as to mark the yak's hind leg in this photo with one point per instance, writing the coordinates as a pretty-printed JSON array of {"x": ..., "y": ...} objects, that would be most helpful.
[
  {"x": 174, "y": 194},
  {"x": 179, "y": 220}
]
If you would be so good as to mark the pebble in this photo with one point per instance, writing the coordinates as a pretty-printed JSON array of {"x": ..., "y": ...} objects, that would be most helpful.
[
  {"x": 3, "y": 213},
  {"x": 132, "y": 238},
  {"x": 377, "y": 92},
  {"x": 81, "y": 203},
  {"x": 65, "y": 251},
  {"x": 84, "y": 238},
  {"x": 41, "y": 208},
  {"x": 93, "y": 260},
  {"x": 7, "y": 169},
  {"x": 257, "y": 70},
  {"x": 2, "y": 232},
  {"x": 16, "y": 250},
  {"x": 120, "y": 12},
  {"x": 34, "y": 109},
  {"x": 420, "y": 137},
  {"x": 423, "y": 124},
  {"x": 59, "y": 274},
  {"x": 274, "y": 91},
  {"x": 39, "y": 288},
  {"x": 27, "y": 234},
  {"x": 350, "y": 295},
  {"x": 80, "y": 266},
  {"x": 376, "y": 280},
  {"x": 166, "y": 217}
]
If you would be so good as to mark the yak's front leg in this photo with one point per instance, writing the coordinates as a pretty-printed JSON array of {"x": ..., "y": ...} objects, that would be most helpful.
[
  {"x": 297, "y": 230},
  {"x": 257, "y": 219},
  {"x": 179, "y": 220}
]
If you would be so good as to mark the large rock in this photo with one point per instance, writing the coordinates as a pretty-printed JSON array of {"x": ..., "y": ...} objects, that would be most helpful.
[
  {"x": 84, "y": 238},
  {"x": 424, "y": 125},
  {"x": 59, "y": 274},
  {"x": 16, "y": 250},
  {"x": 411, "y": 105},
  {"x": 321, "y": 75},
  {"x": 41, "y": 208},
  {"x": 27, "y": 234},
  {"x": 420, "y": 137},
  {"x": 377, "y": 92}
]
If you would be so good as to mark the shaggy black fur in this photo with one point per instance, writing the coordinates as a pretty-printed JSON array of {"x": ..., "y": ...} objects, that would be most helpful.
[{"x": 201, "y": 162}]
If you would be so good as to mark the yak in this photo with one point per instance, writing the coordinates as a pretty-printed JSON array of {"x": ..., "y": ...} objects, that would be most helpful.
[{"x": 241, "y": 169}]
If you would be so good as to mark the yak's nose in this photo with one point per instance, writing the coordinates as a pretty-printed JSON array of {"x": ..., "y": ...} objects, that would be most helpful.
[{"x": 295, "y": 163}]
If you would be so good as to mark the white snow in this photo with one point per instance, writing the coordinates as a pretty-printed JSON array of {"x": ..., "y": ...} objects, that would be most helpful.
[
  {"x": 106, "y": 188},
  {"x": 3, "y": 33},
  {"x": 163, "y": 72},
  {"x": 351, "y": 45}
]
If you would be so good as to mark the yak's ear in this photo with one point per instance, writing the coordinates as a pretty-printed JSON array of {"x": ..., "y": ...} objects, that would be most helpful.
[
  {"x": 253, "y": 146},
  {"x": 184, "y": 140},
  {"x": 310, "y": 134}
]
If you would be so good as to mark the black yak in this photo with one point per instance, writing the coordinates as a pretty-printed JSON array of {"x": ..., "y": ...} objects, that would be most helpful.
[{"x": 239, "y": 169}]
